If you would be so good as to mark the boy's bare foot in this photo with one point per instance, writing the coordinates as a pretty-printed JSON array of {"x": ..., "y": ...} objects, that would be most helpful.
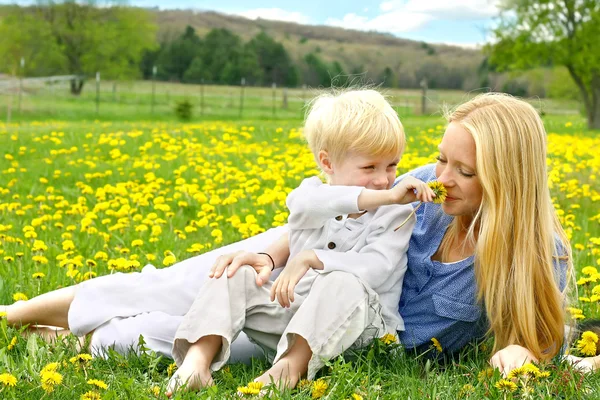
[
  {"x": 282, "y": 375},
  {"x": 188, "y": 377}
]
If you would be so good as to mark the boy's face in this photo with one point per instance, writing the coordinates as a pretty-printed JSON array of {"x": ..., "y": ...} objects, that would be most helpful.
[{"x": 358, "y": 169}]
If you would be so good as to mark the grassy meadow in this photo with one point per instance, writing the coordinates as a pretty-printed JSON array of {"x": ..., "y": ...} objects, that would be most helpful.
[{"x": 84, "y": 199}]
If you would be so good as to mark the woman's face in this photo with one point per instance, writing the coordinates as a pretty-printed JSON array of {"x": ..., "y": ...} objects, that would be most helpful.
[{"x": 456, "y": 170}]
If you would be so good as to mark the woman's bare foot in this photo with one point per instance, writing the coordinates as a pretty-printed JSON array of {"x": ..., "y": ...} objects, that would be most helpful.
[{"x": 188, "y": 378}]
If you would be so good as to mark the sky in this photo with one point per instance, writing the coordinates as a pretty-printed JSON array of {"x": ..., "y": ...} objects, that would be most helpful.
[{"x": 459, "y": 22}]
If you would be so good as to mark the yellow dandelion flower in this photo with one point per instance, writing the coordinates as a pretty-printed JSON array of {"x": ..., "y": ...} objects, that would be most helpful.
[
  {"x": 98, "y": 383},
  {"x": 304, "y": 384},
  {"x": 38, "y": 275},
  {"x": 2, "y": 314},
  {"x": 530, "y": 369},
  {"x": 485, "y": 374},
  {"x": 80, "y": 358},
  {"x": 504, "y": 385},
  {"x": 171, "y": 369},
  {"x": 517, "y": 373},
  {"x": 20, "y": 296},
  {"x": 589, "y": 336},
  {"x": 13, "y": 343},
  {"x": 155, "y": 390},
  {"x": 51, "y": 379},
  {"x": 436, "y": 344},
  {"x": 253, "y": 388},
  {"x": 466, "y": 390},
  {"x": 91, "y": 395},
  {"x": 440, "y": 191},
  {"x": 8, "y": 379},
  {"x": 388, "y": 338},
  {"x": 589, "y": 271},
  {"x": 319, "y": 387},
  {"x": 543, "y": 374},
  {"x": 356, "y": 396},
  {"x": 586, "y": 348},
  {"x": 52, "y": 367},
  {"x": 169, "y": 260}
]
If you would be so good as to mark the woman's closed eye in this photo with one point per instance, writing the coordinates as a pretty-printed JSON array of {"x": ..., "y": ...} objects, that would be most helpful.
[{"x": 440, "y": 160}]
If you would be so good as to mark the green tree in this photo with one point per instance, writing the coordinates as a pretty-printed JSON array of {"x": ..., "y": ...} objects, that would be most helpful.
[
  {"x": 274, "y": 60},
  {"x": 80, "y": 38},
  {"x": 176, "y": 57},
  {"x": 544, "y": 32},
  {"x": 388, "y": 79}
]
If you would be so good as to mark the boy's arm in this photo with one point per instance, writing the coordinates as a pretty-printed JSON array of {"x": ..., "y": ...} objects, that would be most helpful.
[
  {"x": 375, "y": 262},
  {"x": 312, "y": 203}
]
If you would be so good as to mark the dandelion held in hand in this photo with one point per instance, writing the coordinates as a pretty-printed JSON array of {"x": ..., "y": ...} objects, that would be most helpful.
[{"x": 440, "y": 196}]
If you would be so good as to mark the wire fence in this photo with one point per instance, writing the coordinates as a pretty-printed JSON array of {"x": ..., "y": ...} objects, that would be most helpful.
[{"x": 51, "y": 98}]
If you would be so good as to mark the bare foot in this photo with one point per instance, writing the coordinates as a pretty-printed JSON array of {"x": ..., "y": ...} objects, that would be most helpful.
[
  {"x": 579, "y": 363},
  {"x": 282, "y": 375},
  {"x": 188, "y": 378}
]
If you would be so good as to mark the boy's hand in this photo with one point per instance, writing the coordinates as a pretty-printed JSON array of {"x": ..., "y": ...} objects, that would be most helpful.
[
  {"x": 296, "y": 268},
  {"x": 404, "y": 191},
  {"x": 233, "y": 261}
]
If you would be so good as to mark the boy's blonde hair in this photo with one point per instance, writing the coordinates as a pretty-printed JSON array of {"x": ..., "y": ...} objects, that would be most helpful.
[{"x": 359, "y": 120}]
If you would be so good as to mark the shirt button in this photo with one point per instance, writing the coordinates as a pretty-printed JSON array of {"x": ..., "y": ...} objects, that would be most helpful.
[
  {"x": 338, "y": 218},
  {"x": 331, "y": 245}
]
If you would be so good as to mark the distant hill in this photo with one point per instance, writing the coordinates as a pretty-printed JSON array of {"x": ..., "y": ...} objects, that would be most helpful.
[{"x": 357, "y": 51}]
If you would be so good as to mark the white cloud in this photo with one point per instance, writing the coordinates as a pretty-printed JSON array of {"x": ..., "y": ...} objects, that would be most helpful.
[
  {"x": 399, "y": 16},
  {"x": 393, "y": 22},
  {"x": 276, "y": 14},
  {"x": 446, "y": 9}
]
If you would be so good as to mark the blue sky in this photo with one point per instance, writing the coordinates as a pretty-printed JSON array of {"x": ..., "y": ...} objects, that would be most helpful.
[{"x": 463, "y": 22}]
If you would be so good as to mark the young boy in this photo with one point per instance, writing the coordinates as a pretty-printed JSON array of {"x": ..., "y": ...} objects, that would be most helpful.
[{"x": 341, "y": 231}]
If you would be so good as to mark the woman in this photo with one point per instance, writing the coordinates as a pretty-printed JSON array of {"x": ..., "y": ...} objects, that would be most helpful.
[{"x": 495, "y": 241}]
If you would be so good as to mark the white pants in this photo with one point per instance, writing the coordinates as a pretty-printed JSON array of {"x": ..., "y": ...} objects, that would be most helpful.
[
  {"x": 337, "y": 312},
  {"x": 119, "y": 307}
]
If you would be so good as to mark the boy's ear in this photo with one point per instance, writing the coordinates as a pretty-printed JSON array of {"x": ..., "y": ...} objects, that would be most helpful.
[{"x": 325, "y": 162}]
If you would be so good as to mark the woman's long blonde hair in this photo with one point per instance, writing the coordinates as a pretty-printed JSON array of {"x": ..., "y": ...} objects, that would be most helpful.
[{"x": 516, "y": 227}]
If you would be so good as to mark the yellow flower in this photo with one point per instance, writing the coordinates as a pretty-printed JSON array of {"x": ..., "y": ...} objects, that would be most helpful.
[
  {"x": 38, "y": 275},
  {"x": 80, "y": 358},
  {"x": 91, "y": 395},
  {"x": 388, "y": 338},
  {"x": 8, "y": 379},
  {"x": 319, "y": 387},
  {"x": 13, "y": 343},
  {"x": 253, "y": 388},
  {"x": 589, "y": 271},
  {"x": 589, "y": 336},
  {"x": 20, "y": 296},
  {"x": 155, "y": 390},
  {"x": 440, "y": 191},
  {"x": 356, "y": 396},
  {"x": 51, "y": 379},
  {"x": 485, "y": 374},
  {"x": 436, "y": 344},
  {"x": 98, "y": 383},
  {"x": 137, "y": 243},
  {"x": 52, "y": 367},
  {"x": 169, "y": 260},
  {"x": 171, "y": 368},
  {"x": 504, "y": 385},
  {"x": 304, "y": 384},
  {"x": 2, "y": 314}
]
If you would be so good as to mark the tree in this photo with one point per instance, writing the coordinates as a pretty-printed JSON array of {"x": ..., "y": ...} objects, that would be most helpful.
[
  {"x": 274, "y": 60},
  {"x": 78, "y": 39},
  {"x": 176, "y": 57},
  {"x": 544, "y": 32}
]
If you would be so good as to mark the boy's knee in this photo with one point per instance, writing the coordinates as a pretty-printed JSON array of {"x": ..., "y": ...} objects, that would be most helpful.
[
  {"x": 339, "y": 281},
  {"x": 243, "y": 273}
]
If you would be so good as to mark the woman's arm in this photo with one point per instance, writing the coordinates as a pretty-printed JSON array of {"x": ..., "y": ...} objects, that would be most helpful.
[{"x": 279, "y": 251}]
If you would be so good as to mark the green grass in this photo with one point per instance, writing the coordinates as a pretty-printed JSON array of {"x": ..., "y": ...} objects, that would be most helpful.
[{"x": 242, "y": 169}]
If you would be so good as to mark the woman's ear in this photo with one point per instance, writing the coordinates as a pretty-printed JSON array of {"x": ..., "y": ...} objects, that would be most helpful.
[{"x": 325, "y": 162}]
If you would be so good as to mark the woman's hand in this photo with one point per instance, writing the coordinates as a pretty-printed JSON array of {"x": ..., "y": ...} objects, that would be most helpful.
[
  {"x": 404, "y": 191},
  {"x": 296, "y": 268},
  {"x": 232, "y": 262},
  {"x": 511, "y": 357}
]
